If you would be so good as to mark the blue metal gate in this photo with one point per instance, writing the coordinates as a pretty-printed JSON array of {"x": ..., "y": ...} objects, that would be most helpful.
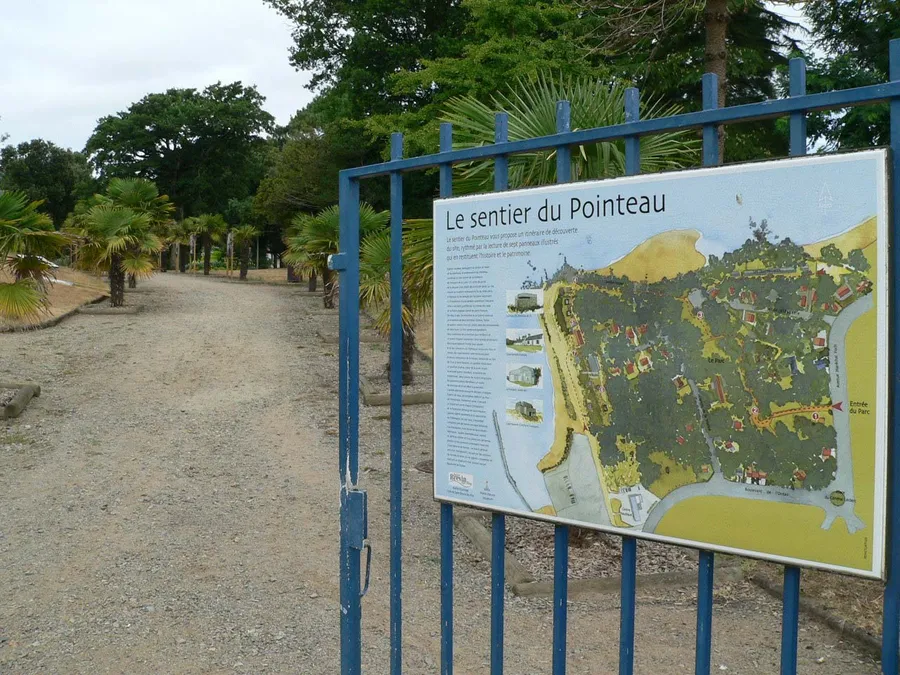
[{"x": 353, "y": 516}]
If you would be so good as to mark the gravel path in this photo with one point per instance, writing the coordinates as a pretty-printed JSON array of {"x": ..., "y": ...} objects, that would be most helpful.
[{"x": 169, "y": 505}]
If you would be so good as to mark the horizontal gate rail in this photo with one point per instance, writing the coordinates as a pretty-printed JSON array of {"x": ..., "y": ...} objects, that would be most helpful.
[
  {"x": 749, "y": 112},
  {"x": 353, "y": 527}
]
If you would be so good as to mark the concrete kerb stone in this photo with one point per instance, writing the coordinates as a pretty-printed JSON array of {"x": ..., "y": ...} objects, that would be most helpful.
[
  {"x": 523, "y": 584},
  {"x": 470, "y": 525},
  {"x": 112, "y": 311},
  {"x": 866, "y": 641},
  {"x": 606, "y": 585},
  {"x": 371, "y": 397},
  {"x": 53, "y": 321},
  {"x": 335, "y": 339},
  {"x": 24, "y": 393}
]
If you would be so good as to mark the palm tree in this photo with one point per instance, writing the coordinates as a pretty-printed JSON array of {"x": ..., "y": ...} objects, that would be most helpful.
[
  {"x": 117, "y": 240},
  {"x": 210, "y": 228},
  {"x": 531, "y": 105},
  {"x": 28, "y": 241},
  {"x": 375, "y": 283},
  {"x": 312, "y": 238},
  {"x": 142, "y": 196},
  {"x": 243, "y": 239}
]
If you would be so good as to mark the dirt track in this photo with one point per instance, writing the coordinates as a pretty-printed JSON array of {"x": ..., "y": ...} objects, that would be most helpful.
[{"x": 169, "y": 505}]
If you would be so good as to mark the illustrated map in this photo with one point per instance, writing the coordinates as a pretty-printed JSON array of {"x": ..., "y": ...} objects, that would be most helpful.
[{"x": 717, "y": 385}]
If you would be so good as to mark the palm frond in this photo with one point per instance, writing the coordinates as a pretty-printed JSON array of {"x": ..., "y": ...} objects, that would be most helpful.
[
  {"x": 531, "y": 105},
  {"x": 21, "y": 299}
]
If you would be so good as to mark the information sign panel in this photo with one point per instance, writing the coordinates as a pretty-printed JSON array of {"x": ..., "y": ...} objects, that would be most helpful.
[{"x": 696, "y": 357}]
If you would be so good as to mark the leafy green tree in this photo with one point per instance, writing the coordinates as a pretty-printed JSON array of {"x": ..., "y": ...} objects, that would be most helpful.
[
  {"x": 302, "y": 178},
  {"x": 666, "y": 46},
  {"x": 45, "y": 172},
  {"x": 355, "y": 48},
  {"x": 202, "y": 148},
  {"x": 831, "y": 254},
  {"x": 28, "y": 241},
  {"x": 854, "y": 35},
  {"x": 857, "y": 260},
  {"x": 210, "y": 228}
]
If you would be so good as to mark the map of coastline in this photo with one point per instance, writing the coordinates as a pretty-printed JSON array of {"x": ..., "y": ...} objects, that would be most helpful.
[
  {"x": 709, "y": 371},
  {"x": 678, "y": 376}
]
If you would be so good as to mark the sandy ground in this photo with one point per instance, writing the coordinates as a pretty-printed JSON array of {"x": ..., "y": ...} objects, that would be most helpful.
[
  {"x": 169, "y": 505},
  {"x": 272, "y": 276},
  {"x": 71, "y": 289}
]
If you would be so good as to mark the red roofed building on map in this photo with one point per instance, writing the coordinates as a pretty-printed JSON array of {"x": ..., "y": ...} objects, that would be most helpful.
[
  {"x": 843, "y": 292},
  {"x": 738, "y": 425}
]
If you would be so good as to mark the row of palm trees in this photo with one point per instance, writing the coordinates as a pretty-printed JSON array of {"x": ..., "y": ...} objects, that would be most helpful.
[{"x": 119, "y": 232}]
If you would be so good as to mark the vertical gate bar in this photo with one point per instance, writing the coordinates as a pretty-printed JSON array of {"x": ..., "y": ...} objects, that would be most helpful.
[
  {"x": 890, "y": 639},
  {"x": 561, "y": 534},
  {"x": 705, "y": 574},
  {"x": 790, "y": 613},
  {"x": 629, "y": 544},
  {"x": 351, "y": 606},
  {"x": 396, "y": 408},
  {"x": 498, "y": 521},
  {"x": 446, "y": 190}
]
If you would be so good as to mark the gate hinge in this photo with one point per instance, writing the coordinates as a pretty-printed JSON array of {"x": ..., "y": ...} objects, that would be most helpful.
[
  {"x": 337, "y": 262},
  {"x": 358, "y": 520},
  {"x": 358, "y": 529}
]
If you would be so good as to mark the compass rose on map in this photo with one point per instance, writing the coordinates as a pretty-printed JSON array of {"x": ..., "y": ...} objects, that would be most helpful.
[{"x": 826, "y": 201}]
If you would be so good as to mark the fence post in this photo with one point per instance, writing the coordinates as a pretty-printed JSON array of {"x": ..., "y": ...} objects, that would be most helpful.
[
  {"x": 561, "y": 533},
  {"x": 397, "y": 335},
  {"x": 348, "y": 456},
  {"x": 498, "y": 520},
  {"x": 703, "y": 654},
  {"x": 790, "y": 612},
  {"x": 446, "y": 190},
  {"x": 890, "y": 640},
  {"x": 629, "y": 544}
]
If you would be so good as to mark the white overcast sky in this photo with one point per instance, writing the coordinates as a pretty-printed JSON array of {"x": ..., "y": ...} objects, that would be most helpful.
[{"x": 66, "y": 63}]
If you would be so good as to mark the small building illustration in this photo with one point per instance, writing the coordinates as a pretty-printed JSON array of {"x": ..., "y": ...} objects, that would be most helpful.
[
  {"x": 525, "y": 302},
  {"x": 524, "y": 376},
  {"x": 843, "y": 293},
  {"x": 526, "y": 410}
]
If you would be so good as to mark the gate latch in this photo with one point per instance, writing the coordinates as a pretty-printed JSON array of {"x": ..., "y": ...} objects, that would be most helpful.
[{"x": 358, "y": 529}]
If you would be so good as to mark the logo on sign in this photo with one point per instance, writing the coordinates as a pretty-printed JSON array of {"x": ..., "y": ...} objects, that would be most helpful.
[{"x": 464, "y": 480}]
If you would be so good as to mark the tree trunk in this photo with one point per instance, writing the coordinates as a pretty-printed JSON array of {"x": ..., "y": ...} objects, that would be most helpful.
[
  {"x": 132, "y": 281},
  {"x": 329, "y": 285},
  {"x": 207, "y": 254},
  {"x": 409, "y": 342},
  {"x": 164, "y": 260},
  {"x": 292, "y": 276},
  {"x": 717, "y": 54},
  {"x": 184, "y": 252},
  {"x": 116, "y": 281},
  {"x": 245, "y": 261},
  {"x": 408, "y": 354},
  {"x": 313, "y": 282}
]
